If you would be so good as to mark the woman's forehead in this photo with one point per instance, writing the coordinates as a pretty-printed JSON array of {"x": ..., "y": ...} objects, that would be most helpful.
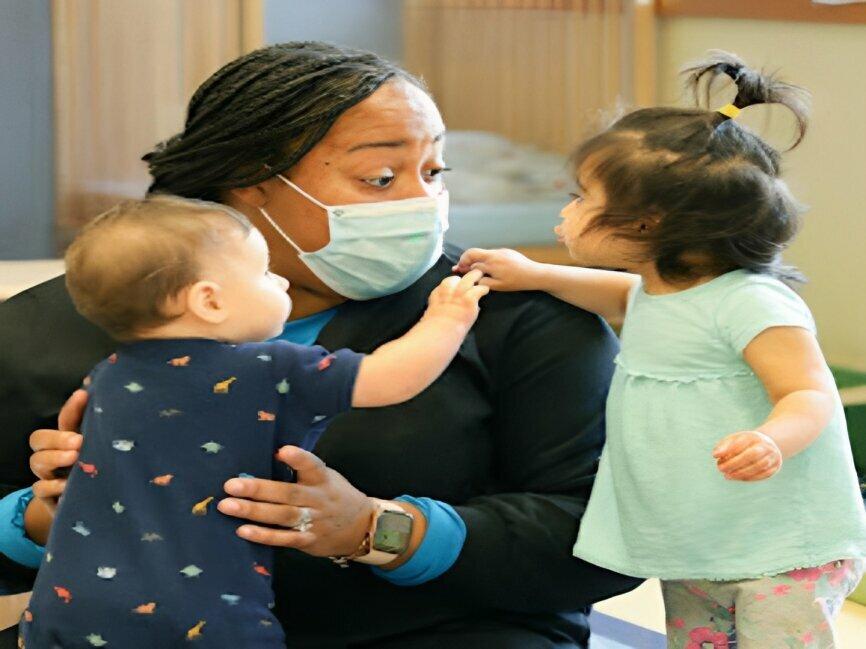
[{"x": 397, "y": 113}]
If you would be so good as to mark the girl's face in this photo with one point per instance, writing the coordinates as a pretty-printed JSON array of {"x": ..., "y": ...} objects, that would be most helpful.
[
  {"x": 387, "y": 147},
  {"x": 593, "y": 247}
]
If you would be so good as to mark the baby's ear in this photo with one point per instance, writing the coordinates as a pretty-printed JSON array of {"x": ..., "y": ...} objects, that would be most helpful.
[{"x": 206, "y": 300}]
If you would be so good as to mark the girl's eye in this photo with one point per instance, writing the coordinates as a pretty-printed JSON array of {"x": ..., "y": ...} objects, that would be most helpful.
[
  {"x": 576, "y": 197},
  {"x": 380, "y": 181}
]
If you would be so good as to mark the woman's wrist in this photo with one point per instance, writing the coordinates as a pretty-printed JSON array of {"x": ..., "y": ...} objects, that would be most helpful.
[
  {"x": 419, "y": 529},
  {"x": 37, "y": 521}
]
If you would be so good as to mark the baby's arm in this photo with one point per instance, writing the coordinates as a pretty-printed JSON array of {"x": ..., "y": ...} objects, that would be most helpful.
[
  {"x": 403, "y": 368},
  {"x": 789, "y": 363},
  {"x": 601, "y": 291}
]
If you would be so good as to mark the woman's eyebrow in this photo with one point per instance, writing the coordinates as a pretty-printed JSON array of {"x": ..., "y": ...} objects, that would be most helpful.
[{"x": 392, "y": 144}]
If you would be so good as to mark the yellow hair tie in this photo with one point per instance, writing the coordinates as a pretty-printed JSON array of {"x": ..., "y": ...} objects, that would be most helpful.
[{"x": 730, "y": 111}]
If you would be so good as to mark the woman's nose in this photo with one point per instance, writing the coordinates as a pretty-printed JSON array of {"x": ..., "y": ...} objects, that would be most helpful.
[{"x": 418, "y": 187}]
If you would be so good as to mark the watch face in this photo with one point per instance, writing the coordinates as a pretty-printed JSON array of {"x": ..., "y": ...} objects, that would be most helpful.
[{"x": 393, "y": 530}]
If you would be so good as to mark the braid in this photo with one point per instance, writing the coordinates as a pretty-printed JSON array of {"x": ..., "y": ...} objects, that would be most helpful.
[{"x": 261, "y": 113}]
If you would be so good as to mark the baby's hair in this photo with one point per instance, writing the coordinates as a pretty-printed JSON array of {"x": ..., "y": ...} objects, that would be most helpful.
[
  {"x": 710, "y": 186},
  {"x": 126, "y": 264}
]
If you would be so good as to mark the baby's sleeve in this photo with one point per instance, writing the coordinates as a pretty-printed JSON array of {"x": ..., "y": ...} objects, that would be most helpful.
[
  {"x": 320, "y": 381},
  {"x": 753, "y": 307}
]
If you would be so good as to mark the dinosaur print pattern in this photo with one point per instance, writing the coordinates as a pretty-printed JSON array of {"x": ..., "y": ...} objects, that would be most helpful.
[{"x": 139, "y": 549}]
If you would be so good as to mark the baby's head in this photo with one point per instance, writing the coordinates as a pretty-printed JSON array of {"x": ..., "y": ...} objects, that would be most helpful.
[
  {"x": 166, "y": 267},
  {"x": 690, "y": 190}
]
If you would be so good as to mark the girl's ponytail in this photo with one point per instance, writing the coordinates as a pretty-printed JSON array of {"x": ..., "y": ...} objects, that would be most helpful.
[{"x": 753, "y": 87}]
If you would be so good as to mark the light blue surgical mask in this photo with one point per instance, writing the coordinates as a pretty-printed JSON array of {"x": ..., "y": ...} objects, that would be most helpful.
[{"x": 376, "y": 248}]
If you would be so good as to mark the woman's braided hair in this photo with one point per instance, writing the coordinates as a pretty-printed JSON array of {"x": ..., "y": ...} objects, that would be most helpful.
[
  {"x": 714, "y": 185},
  {"x": 261, "y": 113}
]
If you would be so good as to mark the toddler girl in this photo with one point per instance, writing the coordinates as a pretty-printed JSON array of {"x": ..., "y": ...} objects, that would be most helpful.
[
  {"x": 727, "y": 471},
  {"x": 138, "y": 554}
]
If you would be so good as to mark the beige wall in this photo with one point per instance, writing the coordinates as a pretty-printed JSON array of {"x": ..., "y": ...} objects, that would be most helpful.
[{"x": 827, "y": 171}]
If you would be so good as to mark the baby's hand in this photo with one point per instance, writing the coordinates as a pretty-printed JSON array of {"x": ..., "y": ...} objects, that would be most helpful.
[
  {"x": 456, "y": 299},
  {"x": 506, "y": 270},
  {"x": 748, "y": 455}
]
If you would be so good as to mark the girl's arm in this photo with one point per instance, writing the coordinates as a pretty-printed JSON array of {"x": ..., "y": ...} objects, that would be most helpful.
[
  {"x": 789, "y": 363},
  {"x": 601, "y": 291}
]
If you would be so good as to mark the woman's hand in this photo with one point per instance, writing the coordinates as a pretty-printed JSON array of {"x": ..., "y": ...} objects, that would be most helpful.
[
  {"x": 57, "y": 450},
  {"x": 505, "y": 270},
  {"x": 339, "y": 514},
  {"x": 749, "y": 455}
]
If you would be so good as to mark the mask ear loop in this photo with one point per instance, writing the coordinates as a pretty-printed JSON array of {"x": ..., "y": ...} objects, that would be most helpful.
[
  {"x": 302, "y": 192},
  {"x": 274, "y": 223},
  {"x": 280, "y": 230}
]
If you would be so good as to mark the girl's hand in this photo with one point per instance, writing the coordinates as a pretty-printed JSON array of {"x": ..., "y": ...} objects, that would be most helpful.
[
  {"x": 55, "y": 451},
  {"x": 339, "y": 514},
  {"x": 749, "y": 456},
  {"x": 506, "y": 270}
]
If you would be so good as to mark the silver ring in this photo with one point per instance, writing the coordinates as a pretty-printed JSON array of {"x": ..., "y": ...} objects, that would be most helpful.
[{"x": 305, "y": 520}]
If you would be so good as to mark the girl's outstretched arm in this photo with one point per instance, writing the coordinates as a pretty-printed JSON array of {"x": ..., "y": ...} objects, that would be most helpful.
[
  {"x": 789, "y": 363},
  {"x": 603, "y": 292}
]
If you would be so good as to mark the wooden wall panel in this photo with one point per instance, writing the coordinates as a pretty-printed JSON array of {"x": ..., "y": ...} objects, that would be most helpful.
[
  {"x": 537, "y": 71},
  {"x": 123, "y": 73}
]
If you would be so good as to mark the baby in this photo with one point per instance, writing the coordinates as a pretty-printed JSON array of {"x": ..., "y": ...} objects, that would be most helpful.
[{"x": 138, "y": 555}]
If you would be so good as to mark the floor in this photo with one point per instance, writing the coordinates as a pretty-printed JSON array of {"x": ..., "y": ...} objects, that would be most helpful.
[
  {"x": 636, "y": 621},
  {"x": 631, "y": 621}
]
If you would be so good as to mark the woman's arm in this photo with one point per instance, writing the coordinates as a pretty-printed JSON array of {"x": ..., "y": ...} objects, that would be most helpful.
[
  {"x": 551, "y": 375},
  {"x": 600, "y": 291}
]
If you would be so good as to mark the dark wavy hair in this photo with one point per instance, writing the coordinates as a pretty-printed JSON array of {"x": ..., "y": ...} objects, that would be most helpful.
[
  {"x": 261, "y": 113},
  {"x": 711, "y": 185}
]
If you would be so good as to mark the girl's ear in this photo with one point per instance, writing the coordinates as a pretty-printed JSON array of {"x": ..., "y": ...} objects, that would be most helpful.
[{"x": 206, "y": 300}]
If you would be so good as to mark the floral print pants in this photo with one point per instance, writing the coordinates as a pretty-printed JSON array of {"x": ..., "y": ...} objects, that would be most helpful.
[{"x": 792, "y": 609}]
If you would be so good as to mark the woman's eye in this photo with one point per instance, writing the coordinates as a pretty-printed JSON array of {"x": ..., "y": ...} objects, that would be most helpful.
[
  {"x": 436, "y": 173},
  {"x": 576, "y": 197},
  {"x": 380, "y": 181}
]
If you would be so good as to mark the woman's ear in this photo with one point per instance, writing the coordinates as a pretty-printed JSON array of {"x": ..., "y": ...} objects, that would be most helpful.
[
  {"x": 254, "y": 196},
  {"x": 206, "y": 300}
]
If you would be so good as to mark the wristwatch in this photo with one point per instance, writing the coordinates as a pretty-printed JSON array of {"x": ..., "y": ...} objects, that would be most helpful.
[{"x": 387, "y": 538}]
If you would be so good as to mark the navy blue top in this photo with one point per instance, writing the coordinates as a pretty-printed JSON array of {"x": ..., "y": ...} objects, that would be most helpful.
[{"x": 138, "y": 554}]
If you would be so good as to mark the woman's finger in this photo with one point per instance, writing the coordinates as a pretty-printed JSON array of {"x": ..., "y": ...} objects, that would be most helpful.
[
  {"x": 48, "y": 439},
  {"x": 278, "y": 538},
  {"x": 72, "y": 411},
  {"x": 308, "y": 466},
  {"x": 47, "y": 464},
  {"x": 45, "y": 489},
  {"x": 268, "y": 513},
  {"x": 268, "y": 491}
]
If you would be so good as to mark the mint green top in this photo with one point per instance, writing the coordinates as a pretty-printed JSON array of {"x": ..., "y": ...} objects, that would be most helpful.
[{"x": 660, "y": 507}]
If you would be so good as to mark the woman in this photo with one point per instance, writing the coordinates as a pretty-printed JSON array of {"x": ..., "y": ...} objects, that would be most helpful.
[{"x": 497, "y": 465}]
